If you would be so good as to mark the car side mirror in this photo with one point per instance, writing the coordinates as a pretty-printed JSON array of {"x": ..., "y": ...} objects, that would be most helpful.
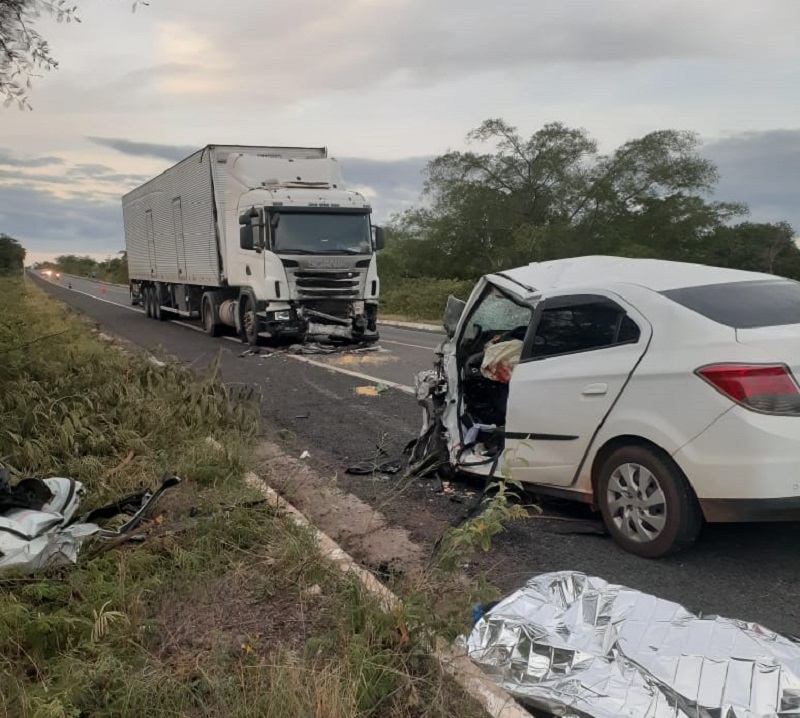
[
  {"x": 379, "y": 238},
  {"x": 452, "y": 315}
]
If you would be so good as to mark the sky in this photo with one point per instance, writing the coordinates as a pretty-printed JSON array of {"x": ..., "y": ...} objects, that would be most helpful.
[{"x": 386, "y": 85}]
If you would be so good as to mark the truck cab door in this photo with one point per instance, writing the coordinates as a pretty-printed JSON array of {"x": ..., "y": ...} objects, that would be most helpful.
[{"x": 577, "y": 358}]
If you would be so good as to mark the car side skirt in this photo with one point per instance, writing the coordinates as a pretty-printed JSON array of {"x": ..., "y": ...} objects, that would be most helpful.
[{"x": 751, "y": 510}]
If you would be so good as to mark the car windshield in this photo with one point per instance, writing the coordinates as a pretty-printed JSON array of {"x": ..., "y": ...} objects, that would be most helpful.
[
  {"x": 743, "y": 305},
  {"x": 496, "y": 314},
  {"x": 321, "y": 233}
]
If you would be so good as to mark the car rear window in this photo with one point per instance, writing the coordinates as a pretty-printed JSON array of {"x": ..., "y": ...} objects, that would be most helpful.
[{"x": 743, "y": 305}]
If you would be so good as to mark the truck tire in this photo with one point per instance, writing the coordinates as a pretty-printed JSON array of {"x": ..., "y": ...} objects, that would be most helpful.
[
  {"x": 210, "y": 320},
  {"x": 148, "y": 302},
  {"x": 647, "y": 504},
  {"x": 250, "y": 322},
  {"x": 157, "y": 312},
  {"x": 134, "y": 298}
]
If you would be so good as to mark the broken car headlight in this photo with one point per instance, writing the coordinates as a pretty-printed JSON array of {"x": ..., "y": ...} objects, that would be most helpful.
[{"x": 282, "y": 316}]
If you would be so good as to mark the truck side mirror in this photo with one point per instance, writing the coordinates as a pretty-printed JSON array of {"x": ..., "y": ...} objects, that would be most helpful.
[
  {"x": 246, "y": 237},
  {"x": 379, "y": 240},
  {"x": 248, "y": 222}
]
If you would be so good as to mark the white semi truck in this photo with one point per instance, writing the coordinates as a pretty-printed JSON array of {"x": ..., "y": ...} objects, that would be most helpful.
[{"x": 265, "y": 240}]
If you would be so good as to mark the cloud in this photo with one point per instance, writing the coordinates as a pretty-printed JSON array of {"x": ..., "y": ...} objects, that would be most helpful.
[
  {"x": 46, "y": 222},
  {"x": 7, "y": 159},
  {"x": 80, "y": 211},
  {"x": 173, "y": 153},
  {"x": 355, "y": 44},
  {"x": 762, "y": 170}
]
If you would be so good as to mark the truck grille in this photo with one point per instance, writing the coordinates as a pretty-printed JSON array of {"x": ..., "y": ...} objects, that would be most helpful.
[
  {"x": 326, "y": 284},
  {"x": 336, "y": 308}
]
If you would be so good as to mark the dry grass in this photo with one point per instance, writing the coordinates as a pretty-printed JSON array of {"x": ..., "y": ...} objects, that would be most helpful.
[{"x": 227, "y": 609}]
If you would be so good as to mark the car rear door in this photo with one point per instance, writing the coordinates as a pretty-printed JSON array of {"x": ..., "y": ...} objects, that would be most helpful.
[{"x": 579, "y": 354}]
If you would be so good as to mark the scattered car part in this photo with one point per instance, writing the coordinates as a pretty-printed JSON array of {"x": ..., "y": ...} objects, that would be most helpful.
[{"x": 37, "y": 520}]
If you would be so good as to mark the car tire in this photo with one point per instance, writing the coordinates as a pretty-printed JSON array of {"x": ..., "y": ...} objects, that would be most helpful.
[
  {"x": 647, "y": 504},
  {"x": 250, "y": 322},
  {"x": 210, "y": 323}
]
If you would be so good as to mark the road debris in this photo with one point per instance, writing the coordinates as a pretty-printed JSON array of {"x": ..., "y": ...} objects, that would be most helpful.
[
  {"x": 575, "y": 645},
  {"x": 39, "y": 527},
  {"x": 338, "y": 348},
  {"x": 253, "y": 351},
  {"x": 372, "y": 390},
  {"x": 364, "y": 468},
  {"x": 305, "y": 455}
]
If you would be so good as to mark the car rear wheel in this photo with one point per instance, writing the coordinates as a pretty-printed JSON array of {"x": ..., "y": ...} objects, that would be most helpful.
[{"x": 647, "y": 503}]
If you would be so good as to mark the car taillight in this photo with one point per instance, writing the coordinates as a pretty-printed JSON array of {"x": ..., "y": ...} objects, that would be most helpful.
[{"x": 768, "y": 388}]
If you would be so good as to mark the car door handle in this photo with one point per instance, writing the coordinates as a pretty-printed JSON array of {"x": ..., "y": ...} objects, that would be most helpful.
[{"x": 594, "y": 389}]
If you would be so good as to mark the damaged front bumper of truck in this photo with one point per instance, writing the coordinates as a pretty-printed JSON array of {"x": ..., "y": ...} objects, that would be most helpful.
[{"x": 351, "y": 324}]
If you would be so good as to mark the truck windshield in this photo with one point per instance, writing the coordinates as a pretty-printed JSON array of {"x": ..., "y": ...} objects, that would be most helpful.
[{"x": 320, "y": 233}]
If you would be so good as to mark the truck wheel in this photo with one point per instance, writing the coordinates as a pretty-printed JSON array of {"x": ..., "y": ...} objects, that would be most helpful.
[
  {"x": 250, "y": 322},
  {"x": 148, "y": 302},
  {"x": 647, "y": 503},
  {"x": 157, "y": 312},
  {"x": 134, "y": 299},
  {"x": 210, "y": 323}
]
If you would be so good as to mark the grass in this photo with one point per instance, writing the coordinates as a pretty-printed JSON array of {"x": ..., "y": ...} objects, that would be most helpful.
[{"x": 227, "y": 609}]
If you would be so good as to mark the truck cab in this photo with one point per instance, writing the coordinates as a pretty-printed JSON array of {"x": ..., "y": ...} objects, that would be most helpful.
[{"x": 306, "y": 251}]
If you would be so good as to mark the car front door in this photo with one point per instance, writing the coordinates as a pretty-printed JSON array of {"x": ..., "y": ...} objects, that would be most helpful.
[{"x": 577, "y": 359}]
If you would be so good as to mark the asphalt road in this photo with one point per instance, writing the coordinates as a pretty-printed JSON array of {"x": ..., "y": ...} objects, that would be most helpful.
[{"x": 750, "y": 572}]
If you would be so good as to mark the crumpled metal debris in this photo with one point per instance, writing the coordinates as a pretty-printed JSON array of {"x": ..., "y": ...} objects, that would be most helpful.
[
  {"x": 31, "y": 539},
  {"x": 577, "y": 646},
  {"x": 47, "y": 533}
]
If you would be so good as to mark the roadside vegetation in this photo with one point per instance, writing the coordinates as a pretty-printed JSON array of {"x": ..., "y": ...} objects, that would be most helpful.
[
  {"x": 113, "y": 270},
  {"x": 515, "y": 199},
  {"x": 226, "y": 609}
]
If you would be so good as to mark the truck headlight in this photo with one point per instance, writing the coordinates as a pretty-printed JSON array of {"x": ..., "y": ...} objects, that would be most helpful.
[{"x": 282, "y": 316}]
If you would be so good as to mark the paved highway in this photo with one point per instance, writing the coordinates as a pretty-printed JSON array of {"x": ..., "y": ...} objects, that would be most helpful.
[
  {"x": 401, "y": 351},
  {"x": 750, "y": 572}
]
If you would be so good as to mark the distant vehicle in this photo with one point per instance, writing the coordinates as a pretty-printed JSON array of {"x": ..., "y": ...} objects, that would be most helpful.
[
  {"x": 265, "y": 240},
  {"x": 663, "y": 394}
]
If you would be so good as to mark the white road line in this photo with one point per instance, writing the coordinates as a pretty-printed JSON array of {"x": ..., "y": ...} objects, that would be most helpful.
[
  {"x": 133, "y": 309},
  {"x": 306, "y": 360},
  {"x": 347, "y": 372},
  {"x": 405, "y": 344},
  {"x": 107, "y": 301},
  {"x": 356, "y": 374}
]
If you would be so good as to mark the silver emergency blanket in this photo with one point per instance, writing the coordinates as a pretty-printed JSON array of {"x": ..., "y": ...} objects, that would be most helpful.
[
  {"x": 575, "y": 645},
  {"x": 31, "y": 540}
]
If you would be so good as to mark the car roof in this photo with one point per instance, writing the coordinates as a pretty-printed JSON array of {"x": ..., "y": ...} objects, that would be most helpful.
[{"x": 599, "y": 271}]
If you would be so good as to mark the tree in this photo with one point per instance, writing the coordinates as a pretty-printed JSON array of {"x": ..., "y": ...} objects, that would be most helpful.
[
  {"x": 12, "y": 255},
  {"x": 553, "y": 195},
  {"x": 757, "y": 247},
  {"x": 23, "y": 51}
]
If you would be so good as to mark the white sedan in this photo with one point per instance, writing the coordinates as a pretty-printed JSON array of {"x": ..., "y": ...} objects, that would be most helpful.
[{"x": 663, "y": 394}]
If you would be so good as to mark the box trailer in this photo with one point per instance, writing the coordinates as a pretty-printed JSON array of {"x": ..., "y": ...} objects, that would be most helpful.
[{"x": 266, "y": 240}]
